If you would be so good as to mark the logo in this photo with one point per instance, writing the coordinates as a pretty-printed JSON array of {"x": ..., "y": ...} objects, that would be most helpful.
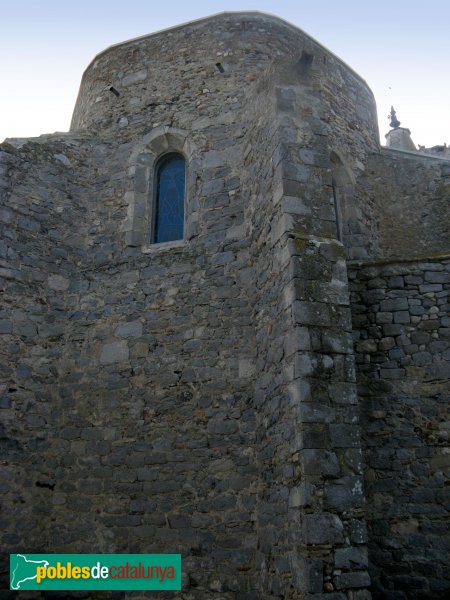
[{"x": 95, "y": 571}]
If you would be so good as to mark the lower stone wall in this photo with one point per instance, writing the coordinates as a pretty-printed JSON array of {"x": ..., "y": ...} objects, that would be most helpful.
[{"x": 402, "y": 328}]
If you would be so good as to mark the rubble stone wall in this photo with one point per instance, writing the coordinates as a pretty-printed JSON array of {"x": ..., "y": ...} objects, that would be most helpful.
[
  {"x": 402, "y": 326},
  {"x": 409, "y": 198}
]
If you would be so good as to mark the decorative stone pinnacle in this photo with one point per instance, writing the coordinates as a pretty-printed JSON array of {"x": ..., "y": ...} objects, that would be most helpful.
[{"x": 394, "y": 122}]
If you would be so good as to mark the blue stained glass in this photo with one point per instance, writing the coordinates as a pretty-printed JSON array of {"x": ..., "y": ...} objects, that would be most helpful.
[{"x": 169, "y": 213}]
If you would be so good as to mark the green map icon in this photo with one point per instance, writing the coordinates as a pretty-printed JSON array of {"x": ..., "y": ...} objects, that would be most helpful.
[{"x": 23, "y": 569}]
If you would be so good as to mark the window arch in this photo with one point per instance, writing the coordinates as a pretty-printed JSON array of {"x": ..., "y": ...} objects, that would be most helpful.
[{"x": 169, "y": 199}]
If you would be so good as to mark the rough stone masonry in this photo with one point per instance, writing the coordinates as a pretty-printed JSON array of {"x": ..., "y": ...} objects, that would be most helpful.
[{"x": 267, "y": 396}]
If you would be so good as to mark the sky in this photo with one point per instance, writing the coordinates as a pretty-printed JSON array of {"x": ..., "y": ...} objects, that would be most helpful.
[{"x": 400, "y": 47}]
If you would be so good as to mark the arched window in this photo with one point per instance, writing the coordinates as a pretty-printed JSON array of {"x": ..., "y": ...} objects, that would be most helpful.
[{"x": 168, "y": 210}]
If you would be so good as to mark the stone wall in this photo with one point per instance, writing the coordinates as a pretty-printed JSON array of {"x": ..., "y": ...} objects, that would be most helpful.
[
  {"x": 402, "y": 327},
  {"x": 408, "y": 195},
  {"x": 400, "y": 321},
  {"x": 200, "y": 396},
  {"x": 128, "y": 408},
  {"x": 41, "y": 199},
  {"x": 169, "y": 417}
]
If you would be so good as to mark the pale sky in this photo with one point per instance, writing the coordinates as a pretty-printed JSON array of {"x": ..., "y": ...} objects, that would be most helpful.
[{"x": 400, "y": 47}]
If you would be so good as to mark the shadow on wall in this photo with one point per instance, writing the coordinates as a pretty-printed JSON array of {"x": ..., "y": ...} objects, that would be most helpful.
[{"x": 352, "y": 230}]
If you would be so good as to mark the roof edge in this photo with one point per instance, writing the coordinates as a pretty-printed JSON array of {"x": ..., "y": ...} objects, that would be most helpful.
[
  {"x": 224, "y": 14},
  {"x": 412, "y": 153}
]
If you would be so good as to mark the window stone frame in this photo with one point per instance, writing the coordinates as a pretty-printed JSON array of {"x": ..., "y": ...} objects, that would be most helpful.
[{"x": 142, "y": 170}]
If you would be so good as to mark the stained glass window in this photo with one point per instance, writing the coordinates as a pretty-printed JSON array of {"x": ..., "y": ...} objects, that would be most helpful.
[{"x": 169, "y": 201}]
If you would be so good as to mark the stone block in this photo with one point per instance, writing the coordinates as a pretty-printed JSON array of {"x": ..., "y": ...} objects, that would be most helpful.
[
  {"x": 412, "y": 280},
  {"x": 144, "y": 531},
  {"x": 314, "y": 437},
  {"x": 416, "y": 310},
  {"x": 437, "y": 277},
  {"x": 114, "y": 352},
  {"x": 296, "y": 172},
  {"x": 314, "y": 568},
  {"x": 402, "y": 316},
  {"x": 285, "y": 99},
  {"x": 384, "y": 317},
  {"x": 345, "y": 436},
  {"x": 422, "y": 358},
  {"x": 50, "y": 330},
  {"x": 352, "y": 580},
  {"x": 346, "y": 494},
  {"x": 320, "y": 462},
  {"x": 304, "y": 364},
  {"x": 297, "y": 340},
  {"x": 358, "y": 531},
  {"x": 430, "y": 287},
  {"x": 386, "y": 344},
  {"x": 351, "y": 558},
  {"x": 392, "y": 330},
  {"x": 58, "y": 283},
  {"x": 429, "y": 325},
  {"x": 341, "y": 343},
  {"x": 316, "y": 413},
  {"x": 324, "y": 528},
  {"x": 366, "y": 346},
  {"x": 130, "y": 329},
  {"x": 295, "y": 206},
  {"x": 246, "y": 368},
  {"x": 133, "y": 78},
  {"x": 437, "y": 372},
  {"x": 301, "y": 495},
  {"x": 394, "y": 304},
  {"x": 222, "y": 427},
  {"x": 396, "y": 282},
  {"x": 214, "y": 186},
  {"x": 420, "y": 337},
  {"x": 311, "y": 313},
  {"x": 343, "y": 393},
  {"x": 392, "y": 373},
  {"x": 6, "y": 326}
]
